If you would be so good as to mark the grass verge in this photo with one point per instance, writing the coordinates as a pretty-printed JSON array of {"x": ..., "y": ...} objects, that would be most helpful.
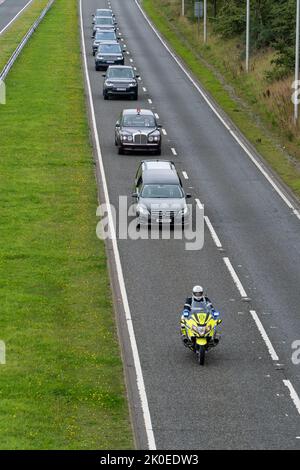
[
  {"x": 11, "y": 38},
  {"x": 284, "y": 166},
  {"x": 62, "y": 386}
]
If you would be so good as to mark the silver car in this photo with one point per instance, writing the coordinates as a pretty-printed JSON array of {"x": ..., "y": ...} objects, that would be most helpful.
[{"x": 160, "y": 197}]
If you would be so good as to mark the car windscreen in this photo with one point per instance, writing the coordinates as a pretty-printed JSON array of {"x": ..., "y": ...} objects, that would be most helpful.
[
  {"x": 104, "y": 13},
  {"x": 110, "y": 49},
  {"x": 120, "y": 72},
  {"x": 105, "y": 36},
  {"x": 106, "y": 21},
  {"x": 166, "y": 191},
  {"x": 138, "y": 121}
]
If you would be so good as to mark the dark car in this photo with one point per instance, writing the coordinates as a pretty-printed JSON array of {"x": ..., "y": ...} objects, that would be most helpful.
[
  {"x": 137, "y": 129},
  {"x": 109, "y": 54},
  {"x": 103, "y": 12},
  {"x": 120, "y": 81},
  {"x": 105, "y": 23},
  {"x": 160, "y": 197},
  {"x": 103, "y": 36}
]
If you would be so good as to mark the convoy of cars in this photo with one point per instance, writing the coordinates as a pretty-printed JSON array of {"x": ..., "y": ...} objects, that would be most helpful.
[{"x": 158, "y": 191}]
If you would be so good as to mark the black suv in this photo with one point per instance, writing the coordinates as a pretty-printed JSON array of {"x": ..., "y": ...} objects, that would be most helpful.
[
  {"x": 108, "y": 54},
  {"x": 137, "y": 129},
  {"x": 120, "y": 81},
  {"x": 103, "y": 37}
]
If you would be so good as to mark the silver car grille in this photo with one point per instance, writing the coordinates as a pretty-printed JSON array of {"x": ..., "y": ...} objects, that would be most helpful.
[{"x": 140, "y": 139}]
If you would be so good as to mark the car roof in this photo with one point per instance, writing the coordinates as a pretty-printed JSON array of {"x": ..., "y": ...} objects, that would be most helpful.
[
  {"x": 105, "y": 31},
  {"x": 143, "y": 112},
  {"x": 161, "y": 177},
  {"x": 110, "y": 42},
  {"x": 157, "y": 165},
  {"x": 99, "y": 17}
]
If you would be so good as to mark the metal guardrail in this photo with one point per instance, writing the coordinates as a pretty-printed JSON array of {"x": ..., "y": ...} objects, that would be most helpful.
[{"x": 17, "y": 52}]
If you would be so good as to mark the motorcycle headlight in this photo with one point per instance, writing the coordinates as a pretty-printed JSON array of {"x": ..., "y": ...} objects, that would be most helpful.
[{"x": 201, "y": 330}]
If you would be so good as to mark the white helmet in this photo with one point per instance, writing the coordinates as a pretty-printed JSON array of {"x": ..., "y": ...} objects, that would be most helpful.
[{"x": 197, "y": 292}]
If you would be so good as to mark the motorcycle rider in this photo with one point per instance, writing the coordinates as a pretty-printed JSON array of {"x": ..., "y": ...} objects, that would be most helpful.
[
  {"x": 193, "y": 301},
  {"x": 198, "y": 296}
]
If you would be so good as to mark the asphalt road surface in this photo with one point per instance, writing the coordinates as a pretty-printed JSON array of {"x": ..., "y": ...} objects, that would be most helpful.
[
  {"x": 239, "y": 398},
  {"x": 9, "y": 9}
]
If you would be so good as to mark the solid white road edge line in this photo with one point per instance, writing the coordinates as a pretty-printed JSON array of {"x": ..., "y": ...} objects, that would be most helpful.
[
  {"x": 210, "y": 104},
  {"x": 294, "y": 395},
  {"x": 137, "y": 364},
  {"x": 235, "y": 277},
  {"x": 264, "y": 336},
  {"x": 213, "y": 232},
  {"x": 15, "y": 17}
]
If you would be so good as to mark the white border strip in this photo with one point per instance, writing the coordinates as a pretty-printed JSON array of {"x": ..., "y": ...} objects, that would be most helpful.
[
  {"x": 294, "y": 395},
  {"x": 15, "y": 17},
  {"x": 213, "y": 232},
  {"x": 235, "y": 277},
  {"x": 264, "y": 336},
  {"x": 137, "y": 364},
  {"x": 212, "y": 107}
]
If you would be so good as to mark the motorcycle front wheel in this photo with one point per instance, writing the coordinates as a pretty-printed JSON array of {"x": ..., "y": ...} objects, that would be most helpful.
[{"x": 201, "y": 355}]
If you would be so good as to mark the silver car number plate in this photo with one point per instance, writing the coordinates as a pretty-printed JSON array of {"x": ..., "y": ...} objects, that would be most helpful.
[{"x": 121, "y": 89}]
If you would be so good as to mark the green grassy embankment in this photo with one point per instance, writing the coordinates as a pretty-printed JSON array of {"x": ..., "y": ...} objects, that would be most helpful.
[{"x": 62, "y": 386}]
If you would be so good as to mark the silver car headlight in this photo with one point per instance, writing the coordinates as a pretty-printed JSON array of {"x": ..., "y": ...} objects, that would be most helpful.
[
  {"x": 184, "y": 211},
  {"x": 150, "y": 138},
  {"x": 142, "y": 210},
  {"x": 132, "y": 84},
  {"x": 108, "y": 84},
  {"x": 129, "y": 138}
]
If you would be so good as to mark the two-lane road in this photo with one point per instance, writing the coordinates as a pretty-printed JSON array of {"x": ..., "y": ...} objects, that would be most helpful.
[{"x": 239, "y": 399}]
